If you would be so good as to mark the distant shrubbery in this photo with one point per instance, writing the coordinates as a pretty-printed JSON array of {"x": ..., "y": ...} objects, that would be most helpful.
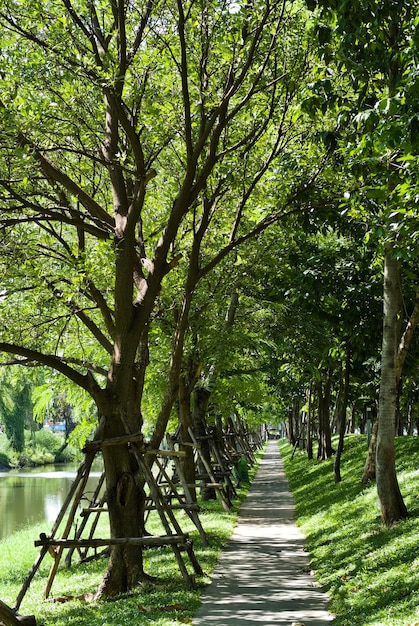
[
  {"x": 4, "y": 461},
  {"x": 41, "y": 447}
]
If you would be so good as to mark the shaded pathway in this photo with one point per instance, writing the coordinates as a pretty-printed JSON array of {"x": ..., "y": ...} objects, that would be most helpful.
[{"x": 263, "y": 574}]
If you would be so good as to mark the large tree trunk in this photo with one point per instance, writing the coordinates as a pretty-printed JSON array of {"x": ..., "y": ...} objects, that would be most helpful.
[
  {"x": 125, "y": 500},
  {"x": 391, "y": 502},
  {"x": 120, "y": 415}
]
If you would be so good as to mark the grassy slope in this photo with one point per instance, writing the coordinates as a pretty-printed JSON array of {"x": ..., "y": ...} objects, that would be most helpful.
[
  {"x": 165, "y": 603},
  {"x": 371, "y": 572}
]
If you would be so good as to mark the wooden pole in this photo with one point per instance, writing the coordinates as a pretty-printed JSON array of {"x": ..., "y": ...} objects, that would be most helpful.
[
  {"x": 8, "y": 617},
  {"x": 208, "y": 469},
  {"x": 97, "y": 543},
  {"x": 86, "y": 517},
  {"x": 54, "y": 529},
  {"x": 79, "y": 492}
]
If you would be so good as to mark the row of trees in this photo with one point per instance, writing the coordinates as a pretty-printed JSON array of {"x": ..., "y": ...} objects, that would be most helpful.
[
  {"x": 192, "y": 194},
  {"x": 375, "y": 45}
]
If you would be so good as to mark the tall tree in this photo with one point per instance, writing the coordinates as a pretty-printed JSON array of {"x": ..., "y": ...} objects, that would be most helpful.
[
  {"x": 391, "y": 500},
  {"x": 133, "y": 133}
]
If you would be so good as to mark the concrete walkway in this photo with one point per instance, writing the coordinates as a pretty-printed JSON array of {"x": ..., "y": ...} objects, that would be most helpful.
[{"x": 263, "y": 576}]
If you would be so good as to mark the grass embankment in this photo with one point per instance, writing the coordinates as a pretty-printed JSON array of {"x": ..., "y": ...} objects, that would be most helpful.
[
  {"x": 163, "y": 603},
  {"x": 371, "y": 572}
]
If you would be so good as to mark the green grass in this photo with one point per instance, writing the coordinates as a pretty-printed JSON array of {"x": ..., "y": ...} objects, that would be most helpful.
[
  {"x": 370, "y": 572},
  {"x": 164, "y": 603}
]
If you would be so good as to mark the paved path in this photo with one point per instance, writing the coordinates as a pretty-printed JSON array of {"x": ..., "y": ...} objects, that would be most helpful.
[{"x": 263, "y": 577}]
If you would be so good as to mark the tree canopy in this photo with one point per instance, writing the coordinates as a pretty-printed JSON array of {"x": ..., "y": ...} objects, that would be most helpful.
[{"x": 191, "y": 192}]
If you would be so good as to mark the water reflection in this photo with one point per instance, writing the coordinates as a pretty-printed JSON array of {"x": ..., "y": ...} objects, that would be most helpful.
[{"x": 34, "y": 495}]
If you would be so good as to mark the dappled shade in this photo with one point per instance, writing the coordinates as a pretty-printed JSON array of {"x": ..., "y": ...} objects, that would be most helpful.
[{"x": 263, "y": 576}]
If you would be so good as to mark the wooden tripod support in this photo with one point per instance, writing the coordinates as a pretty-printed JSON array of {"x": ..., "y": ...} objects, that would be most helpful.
[{"x": 174, "y": 537}]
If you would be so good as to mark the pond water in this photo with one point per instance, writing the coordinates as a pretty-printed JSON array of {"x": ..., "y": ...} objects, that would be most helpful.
[{"x": 34, "y": 495}]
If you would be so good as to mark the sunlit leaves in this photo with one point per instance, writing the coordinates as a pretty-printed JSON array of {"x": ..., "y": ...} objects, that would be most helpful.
[{"x": 204, "y": 96}]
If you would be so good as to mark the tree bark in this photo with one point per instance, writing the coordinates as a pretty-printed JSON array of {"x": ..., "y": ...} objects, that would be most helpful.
[
  {"x": 410, "y": 421},
  {"x": 125, "y": 499},
  {"x": 391, "y": 501},
  {"x": 342, "y": 407},
  {"x": 291, "y": 435},
  {"x": 9, "y": 618},
  {"x": 369, "y": 472},
  {"x": 325, "y": 449},
  {"x": 296, "y": 418},
  {"x": 200, "y": 403},
  {"x": 310, "y": 423}
]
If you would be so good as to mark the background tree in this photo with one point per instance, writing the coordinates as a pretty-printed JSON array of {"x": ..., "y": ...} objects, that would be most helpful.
[{"x": 325, "y": 291}]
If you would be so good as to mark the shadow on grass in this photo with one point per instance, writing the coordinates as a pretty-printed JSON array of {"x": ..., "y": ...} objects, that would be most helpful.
[
  {"x": 370, "y": 571},
  {"x": 164, "y": 603}
]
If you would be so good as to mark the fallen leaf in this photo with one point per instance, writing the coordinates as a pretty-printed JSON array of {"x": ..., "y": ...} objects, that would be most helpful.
[
  {"x": 84, "y": 597},
  {"x": 172, "y": 607},
  {"x": 61, "y": 599}
]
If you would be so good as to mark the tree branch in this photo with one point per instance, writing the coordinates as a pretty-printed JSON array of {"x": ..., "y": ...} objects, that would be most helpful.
[
  {"x": 407, "y": 337},
  {"x": 184, "y": 80},
  {"x": 51, "y": 171},
  {"x": 50, "y": 360}
]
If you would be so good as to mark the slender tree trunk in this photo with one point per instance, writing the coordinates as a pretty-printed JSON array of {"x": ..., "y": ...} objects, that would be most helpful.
[
  {"x": 296, "y": 419},
  {"x": 369, "y": 472},
  {"x": 363, "y": 422},
  {"x": 342, "y": 407},
  {"x": 199, "y": 410},
  {"x": 410, "y": 421},
  {"x": 310, "y": 423},
  {"x": 325, "y": 449},
  {"x": 391, "y": 502},
  {"x": 352, "y": 419},
  {"x": 291, "y": 435},
  {"x": 399, "y": 420}
]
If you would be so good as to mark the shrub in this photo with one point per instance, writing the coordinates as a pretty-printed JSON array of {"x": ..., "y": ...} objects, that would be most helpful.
[
  {"x": 41, "y": 448},
  {"x": 4, "y": 461}
]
